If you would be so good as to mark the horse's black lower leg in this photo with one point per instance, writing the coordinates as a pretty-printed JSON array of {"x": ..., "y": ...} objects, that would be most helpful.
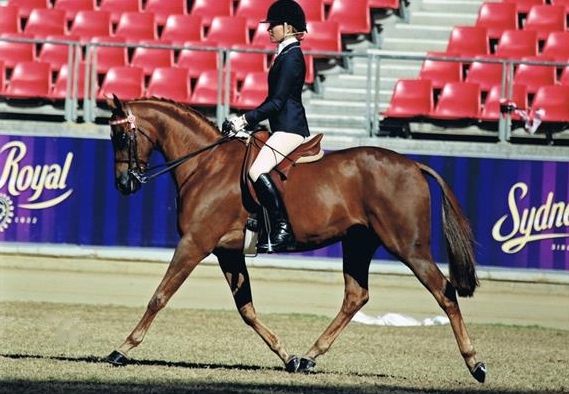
[
  {"x": 232, "y": 263},
  {"x": 358, "y": 247}
]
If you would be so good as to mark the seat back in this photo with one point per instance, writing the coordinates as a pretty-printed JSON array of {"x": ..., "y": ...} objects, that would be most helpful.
[
  {"x": 72, "y": 7},
  {"x": 533, "y": 75},
  {"x": 261, "y": 37},
  {"x": 117, "y": 7},
  {"x": 323, "y": 37},
  {"x": 554, "y": 99},
  {"x": 171, "y": 83},
  {"x": 205, "y": 91},
  {"x": 491, "y": 107},
  {"x": 198, "y": 60},
  {"x": 10, "y": 20},
  {"x": 523, "y": 6},
  {"x": 59, "y": 90},
  {"x": 180, "y": 28},
  {"x": 162, "y": 9},
  {"x": 137, "y": 26},
  {"x": 109, "y": 56},
  {"x": 148, "y": 56},
  {"x": 556, "y": 46},
  {"x": 457, "y": 101},
  {"x": 88, "y": 24},
  {"x": 544, "y": 19},
  {"x": 411, "y": 98},
  {"x": 353, "y": 16},
  {"x": 12, "y": 52},
  {"x": 228, "y": 31},
  {"x": 45, "y": 22},
  {"x": 56, "y": 54},
  {"x": 126, "y": 82},
  {"x": 497, "y": 17},
  {"x": 515, "y": 44},
  {"x": 440, "y": 71},
  {"x": 468, "y": 41},
  {"x": 242, "y": 63},
  {"x": 313, "y": 9},
  {"x": 253, "y": 91},
  {"x": 210, "y": 9},
  {"x": 254, "y": 10},
  {"x": 25, "y": 7},
  {"x": 29, "y": 80},
  {"x": 486, "y": 74}
]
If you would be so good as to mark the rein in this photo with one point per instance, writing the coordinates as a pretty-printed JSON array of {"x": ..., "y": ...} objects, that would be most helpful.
[{"x": 165, "y": 167}]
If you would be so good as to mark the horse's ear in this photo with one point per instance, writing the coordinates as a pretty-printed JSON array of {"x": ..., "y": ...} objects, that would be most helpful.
[{"x": 115, "y": 103}]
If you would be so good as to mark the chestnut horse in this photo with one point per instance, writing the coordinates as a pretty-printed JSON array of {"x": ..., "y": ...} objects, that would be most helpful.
[{"x": 363, "y": 197}]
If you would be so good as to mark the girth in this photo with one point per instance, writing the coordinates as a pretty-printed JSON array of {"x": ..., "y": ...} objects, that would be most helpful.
[{"x": 307, "y": 152}]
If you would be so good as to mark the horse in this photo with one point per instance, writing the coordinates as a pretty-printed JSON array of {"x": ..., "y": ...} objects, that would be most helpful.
[{"x": 363, "y": 197}]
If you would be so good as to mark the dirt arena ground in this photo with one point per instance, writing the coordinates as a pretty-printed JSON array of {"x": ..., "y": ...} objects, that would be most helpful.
[{"x": 96, "y": 281}]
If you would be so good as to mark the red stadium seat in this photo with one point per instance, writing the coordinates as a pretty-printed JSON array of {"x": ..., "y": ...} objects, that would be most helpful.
[
  {"x": 2, "y": 77},
  {"x": 162, "y": 9},
  {"x": 126, "y": 82},
  {"x": 440, "y": 71},
  {"x": 253, "y": 92},
  {"x": 10, "y": 20},
  {"x": 554, "y": 99},
  {"x": 457, "y": 101},
  {"x": 59, "y": 91},
  {"x": 515, "y": 44},
  {"x": 25, "y": 7},
  {"x": 117, "y": 7},
  {"x": 533, "y": 75},
  {"x": 411, "y": 98},
  {"x": 545, "y": 19},
  {"x": 310, "y": 71},
  {"x": 384, "y": 4},
  {"x": 491, "y": 108},
  {"x": 72, "y": 7},
  {"x": 468, "y": 41},
  {"x": 228, "y": 31},
  {"x": 523, "y": 6},
  {"x": 486, "y": 74},
  {"x": 254, "y": 10},
  {"x": 55, "y": 54},
  {"x": 353, "y": 16},
  {"x": 242, "y": 63},
  {"x": 149, "y": 58},
  {"x": 313, "y": 9},
  {"x": 556, "y": 46},
  {"x": 12, "y": 52},
  {"x": 45, "y": 22},
  {"x": 323, "y": 37},
  {"x": 497, "y": 17},
  {"x": 198, "y": 60},
  {"x": 205, "y": 90},
  {"x": 89, "y": 24},
  {"x": 109, "y": 56},
  {"x": 210, "y": 9},
  {"x": 171, "y": 83},
  {"x": 137, "y": 26},
  {"x": 180, "y": 28},
  {"x": 29, "y": 80},
  {"x": 261, "y": 37}
]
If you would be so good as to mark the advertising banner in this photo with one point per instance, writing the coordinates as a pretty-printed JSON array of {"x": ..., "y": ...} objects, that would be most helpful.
[{"x": 61, "y": 191}]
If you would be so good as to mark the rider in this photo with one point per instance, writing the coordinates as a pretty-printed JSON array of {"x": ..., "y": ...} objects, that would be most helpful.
[{"x": 284, "y": 109}]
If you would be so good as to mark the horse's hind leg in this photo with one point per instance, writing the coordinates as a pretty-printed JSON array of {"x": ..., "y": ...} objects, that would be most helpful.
[
  {"x": 358, "y": 247},
  {"x": 444, "y": 292},
  {"x": 232, "y": 263},
  {"x": 182, "y": 264}
]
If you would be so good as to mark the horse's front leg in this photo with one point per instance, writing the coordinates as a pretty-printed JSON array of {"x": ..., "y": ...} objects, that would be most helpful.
[
  {"x": 183, "y": 263},
  {"x": 232, "y": 263}
]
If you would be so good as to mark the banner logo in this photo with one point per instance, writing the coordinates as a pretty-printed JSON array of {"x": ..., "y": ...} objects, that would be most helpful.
[
  {"x": 521, "y": 226},
  {"x": 6, "y": 211}
]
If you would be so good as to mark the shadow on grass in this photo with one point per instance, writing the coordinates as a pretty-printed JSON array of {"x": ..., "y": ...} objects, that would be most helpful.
[{"x": 20, "y": 386}]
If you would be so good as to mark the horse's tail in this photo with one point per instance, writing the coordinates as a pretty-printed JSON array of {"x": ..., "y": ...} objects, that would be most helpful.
[{"x": 459, "y": 238}]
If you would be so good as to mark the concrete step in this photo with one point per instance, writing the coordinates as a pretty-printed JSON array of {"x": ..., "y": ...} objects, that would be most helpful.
[
  {"x": 458, "y": 6},
  {"x": 414, "y": 31},
  {"x": 448, "y": 19},
  {"x": 419, "y": 45},
  {"x": 352, "y": 94}
]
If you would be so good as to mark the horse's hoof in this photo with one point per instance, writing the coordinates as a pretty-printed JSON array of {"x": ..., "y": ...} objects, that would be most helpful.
[
  {"x": 118, "y": 359},
  {"x": 479, "y": 372},
  {"x": 306, "y": 365},
  {"x": 292, "y": 364}
]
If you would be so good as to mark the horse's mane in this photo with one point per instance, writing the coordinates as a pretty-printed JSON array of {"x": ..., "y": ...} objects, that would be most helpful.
[{"x": 182, "y": 108}]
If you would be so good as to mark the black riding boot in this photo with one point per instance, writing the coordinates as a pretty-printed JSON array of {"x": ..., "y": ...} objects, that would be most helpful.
[{"x": 281, "y": 237}]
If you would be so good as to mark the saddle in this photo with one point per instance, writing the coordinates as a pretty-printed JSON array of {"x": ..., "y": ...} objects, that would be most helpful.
[{"x": 307, "y": 152}]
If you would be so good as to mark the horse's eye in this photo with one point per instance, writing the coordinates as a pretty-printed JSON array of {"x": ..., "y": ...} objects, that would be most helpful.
[{"x": 119, "y": 140}]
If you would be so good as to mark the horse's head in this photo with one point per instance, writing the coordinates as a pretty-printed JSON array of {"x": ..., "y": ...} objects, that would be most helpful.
[{"x": 131, "y": 152}]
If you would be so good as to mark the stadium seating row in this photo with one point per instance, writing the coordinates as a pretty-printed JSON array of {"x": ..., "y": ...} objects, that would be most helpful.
[
  {"x": 33, "y": 80},
  {"x": 415, "y": 98}
]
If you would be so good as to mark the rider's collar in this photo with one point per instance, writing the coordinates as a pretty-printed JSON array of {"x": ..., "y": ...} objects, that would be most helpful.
[{"x": 284, "y": 43}]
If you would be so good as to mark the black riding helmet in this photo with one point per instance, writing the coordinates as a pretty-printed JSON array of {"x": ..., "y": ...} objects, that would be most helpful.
[{"x": 286, "y": 11}]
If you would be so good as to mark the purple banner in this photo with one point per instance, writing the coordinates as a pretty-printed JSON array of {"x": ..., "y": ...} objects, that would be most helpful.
[{"x": 60, "y": 190}]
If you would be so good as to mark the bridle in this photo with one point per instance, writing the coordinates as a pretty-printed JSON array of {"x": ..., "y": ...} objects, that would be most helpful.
[{"x": 137, "y": 168}]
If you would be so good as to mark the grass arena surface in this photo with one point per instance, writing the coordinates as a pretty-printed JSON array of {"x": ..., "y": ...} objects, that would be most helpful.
[{"x": 61, "y": 316}]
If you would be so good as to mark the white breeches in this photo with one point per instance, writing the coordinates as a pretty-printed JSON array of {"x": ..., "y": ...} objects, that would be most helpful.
[{"x": 279, "y": 145}]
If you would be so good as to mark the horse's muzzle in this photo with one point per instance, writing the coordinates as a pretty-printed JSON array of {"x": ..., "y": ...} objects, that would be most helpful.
[{"x": 127, "y": 183}]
